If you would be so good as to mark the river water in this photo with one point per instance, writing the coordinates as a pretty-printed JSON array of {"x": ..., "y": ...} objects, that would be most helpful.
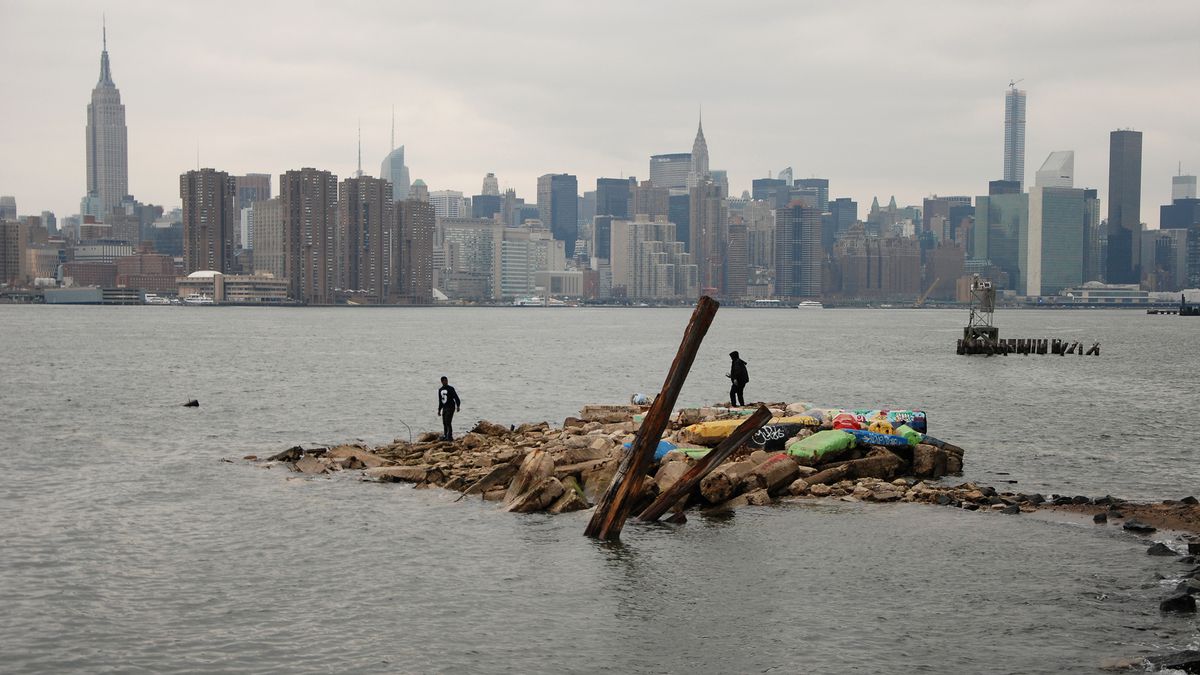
[{"x": 128, "y": 545}]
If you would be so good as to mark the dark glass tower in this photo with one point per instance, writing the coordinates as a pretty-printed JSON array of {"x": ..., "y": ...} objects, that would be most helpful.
[{"x": 1124, "y": 206}]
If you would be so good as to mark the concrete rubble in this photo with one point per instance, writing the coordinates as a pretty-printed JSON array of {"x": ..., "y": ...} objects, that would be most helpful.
[{"x": 539, "y": 468}]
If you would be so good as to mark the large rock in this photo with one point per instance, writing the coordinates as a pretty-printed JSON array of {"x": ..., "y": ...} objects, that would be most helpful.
[
  {"x": 360, "y": 458},
  {"x": 406, "y": 474},
  {"x": 576, "y": 455},
  {"x": 536, "y": 466},
  {"x": 571, "y": 499},
  {"x": 820, "y": 490},
  {"x": 929, "y": 461},
  {"x": 725, "y": 481},
  {"x": 538, "y": 497},
  {"x": 311, "y": 465},
  {"x": 497, "y": 476},
  {"x": 879, "y": 463},
  {"x": 831, "y": 475},
  {"x": 1182, "y": 603},
  {"x": 668, "y": 474},
  {"x": 1159, "y": 548},
  {"x": 1187, "y": 661},
  {"x": 774, "y": 474},
  {"x": 798, "y": 487},
  {"x": 597, "y": 480},
  {"x": 487, "y": 428}
]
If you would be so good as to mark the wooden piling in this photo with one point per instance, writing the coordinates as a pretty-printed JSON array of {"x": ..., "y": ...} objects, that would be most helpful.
[
  {"x": 702, "y": 468},
  {"x": 613, "y": 507}
]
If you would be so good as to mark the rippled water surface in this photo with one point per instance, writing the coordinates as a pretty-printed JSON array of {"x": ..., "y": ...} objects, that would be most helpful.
[{"x": 128, "y": 545}]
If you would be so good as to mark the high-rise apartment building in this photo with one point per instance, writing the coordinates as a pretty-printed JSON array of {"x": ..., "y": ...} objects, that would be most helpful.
[
  {"x": 1164, "y": 259},
  {"x": 798, "y": 253},
  {"x": 107, "y": 145},
  {"x": 448, "y": 204},
  {"x": 415, "y": 223},
  {"x": 1124, "y": 206},
  {"x": 268, "y": 237},
  {"x": 558, "y": 207},
  {"x": 471, "y": 250},
  {"x": 366, "y": 238},
  {"x": 251, "y": 188},
  {"x": 648, "y": 263},
  {"x": 737, "y": 264},
  {"x": 865, "y": 266},
  {"x": 670, "y": 170},
  {"x": 709, "y": 231},
  {"x": 649, "y": 200},
  {"x": 13, "y": 242},
  {"x": 8, "y": 208},
  {"x": 309, "y": 200},
  {"x": 614, "y": 196},
  {"x": 210, "y": 220},
  {"x": 1014, "y": 135}
]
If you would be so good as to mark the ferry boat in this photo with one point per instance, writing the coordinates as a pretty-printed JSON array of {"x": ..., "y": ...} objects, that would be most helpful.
[
  {"x": 538, "y": 301},
  {"x": 809, "y": 304},
  {"x": 156, "y": 299},
  {"x": 198, "y": 299}
]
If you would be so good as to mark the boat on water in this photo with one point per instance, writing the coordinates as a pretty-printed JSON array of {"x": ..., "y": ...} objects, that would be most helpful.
[
  {"x": 538, "y": 301},
  {"x": 809, "y": 304},
  {"x": 198, "y": 299},
  {"x": 156, "y": 299}
]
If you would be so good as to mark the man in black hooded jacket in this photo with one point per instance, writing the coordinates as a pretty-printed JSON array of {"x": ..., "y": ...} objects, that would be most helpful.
[{"x": 739, "y": 376}]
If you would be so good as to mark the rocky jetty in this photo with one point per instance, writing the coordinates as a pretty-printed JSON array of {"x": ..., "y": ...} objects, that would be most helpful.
[
  {"x": 537, "y": 467},
  {"x": 541, "y": 468}
]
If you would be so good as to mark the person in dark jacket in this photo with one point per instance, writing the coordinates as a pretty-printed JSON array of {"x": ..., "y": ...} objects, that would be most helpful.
[
  {"x": 739, "y": 376},
  {"x": 448, "y": 404}
]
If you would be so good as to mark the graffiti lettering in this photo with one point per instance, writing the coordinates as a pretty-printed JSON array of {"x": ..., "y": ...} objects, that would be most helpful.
[{"x": 767, "y": 434}]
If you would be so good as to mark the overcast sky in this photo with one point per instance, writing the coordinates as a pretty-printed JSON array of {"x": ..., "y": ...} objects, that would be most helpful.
[{"x": 881, "y": 98}]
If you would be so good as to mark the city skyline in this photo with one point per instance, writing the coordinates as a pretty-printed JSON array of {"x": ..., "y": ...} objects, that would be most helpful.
[{"x": 877, "y": 128}]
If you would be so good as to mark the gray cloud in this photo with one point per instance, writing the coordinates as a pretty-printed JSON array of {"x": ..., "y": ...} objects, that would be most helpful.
[{"x": 881, "y": 98}]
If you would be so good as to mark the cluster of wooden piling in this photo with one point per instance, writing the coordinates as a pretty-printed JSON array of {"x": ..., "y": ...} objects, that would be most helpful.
[{"x": 1024, "y": 346}]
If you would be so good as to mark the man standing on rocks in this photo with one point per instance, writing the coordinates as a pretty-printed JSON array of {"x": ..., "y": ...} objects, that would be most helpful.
[
  {"x": 739, "y": 377},
  {"x": 448, "y": 403}
]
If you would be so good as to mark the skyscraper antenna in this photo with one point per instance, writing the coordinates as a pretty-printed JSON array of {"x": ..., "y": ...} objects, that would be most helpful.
[{"x": 104, "y": 32}]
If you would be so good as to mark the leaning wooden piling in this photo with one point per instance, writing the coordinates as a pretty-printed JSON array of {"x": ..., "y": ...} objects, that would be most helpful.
[
  {"x": 688, "y": 481},
  {"x": 615, "y": 504}
]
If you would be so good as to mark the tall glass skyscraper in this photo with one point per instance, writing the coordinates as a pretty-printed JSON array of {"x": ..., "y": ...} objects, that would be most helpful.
[
  {"x": 1014, "y": 135},
  {"x": 1125, "y": 207},
  {"x": 107, "y": 145}
]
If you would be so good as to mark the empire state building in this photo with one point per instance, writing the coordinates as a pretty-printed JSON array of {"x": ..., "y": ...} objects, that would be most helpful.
[{"x": 107, "y": 146}]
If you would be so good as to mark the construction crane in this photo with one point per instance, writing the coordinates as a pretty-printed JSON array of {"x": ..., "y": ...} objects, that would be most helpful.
[
  {"x": 921, "y": 300},
  {"x": 1014, "y": 83}
]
